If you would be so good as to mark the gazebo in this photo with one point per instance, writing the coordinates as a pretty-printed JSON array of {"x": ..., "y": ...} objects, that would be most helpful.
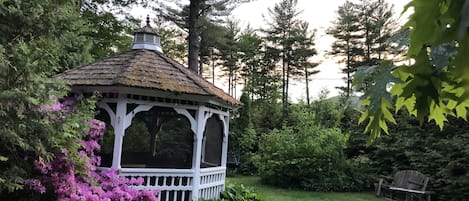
[{"x": 165, "y": 123}]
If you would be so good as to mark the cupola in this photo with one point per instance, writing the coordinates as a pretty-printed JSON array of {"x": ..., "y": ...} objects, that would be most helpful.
[{"x": 147, "y": 38}]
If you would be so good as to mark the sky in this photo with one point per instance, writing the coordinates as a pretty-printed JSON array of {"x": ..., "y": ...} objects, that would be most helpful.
[{"x": 319, "y": 14}]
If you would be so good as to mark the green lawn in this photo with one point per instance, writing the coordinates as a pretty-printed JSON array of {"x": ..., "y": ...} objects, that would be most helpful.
[{"x": 278, "y": 194}]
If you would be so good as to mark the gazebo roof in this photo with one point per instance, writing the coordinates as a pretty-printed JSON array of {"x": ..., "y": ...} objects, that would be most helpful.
[{"x": 147, "y": 69}]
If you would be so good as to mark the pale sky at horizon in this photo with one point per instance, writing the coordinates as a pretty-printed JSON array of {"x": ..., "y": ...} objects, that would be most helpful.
[{"x": 319, "y": 14}]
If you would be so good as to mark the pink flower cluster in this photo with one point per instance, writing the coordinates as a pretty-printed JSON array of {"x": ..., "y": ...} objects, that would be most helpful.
[
  {"x": 70, "y": 184},
  {"x": 58, "y": 108}
]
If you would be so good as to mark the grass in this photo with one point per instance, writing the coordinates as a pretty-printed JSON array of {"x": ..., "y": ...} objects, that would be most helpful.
[{"x": 279, "y": 194}]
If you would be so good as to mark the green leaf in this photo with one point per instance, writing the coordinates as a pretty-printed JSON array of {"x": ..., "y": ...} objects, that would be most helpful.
[
  {"x": 363, "y": 117},
  {"x": 385, "y": 106},
  {"x": 3, "y": 158},
  {"x": 437, "y": 113},
  {"x": 423, "y": 24},
  {"x": 461, "y": 110},
  {"x": 377, "y": 99}
]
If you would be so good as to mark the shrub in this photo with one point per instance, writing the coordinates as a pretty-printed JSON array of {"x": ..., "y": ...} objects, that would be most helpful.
[
  {"x": 69, "y": 182},
  {"x": 309, "y": 157},
  {"x": 70, "y": 172},
  {"x": 240, "y": 193},
  {"x": 247, "y": 164}
]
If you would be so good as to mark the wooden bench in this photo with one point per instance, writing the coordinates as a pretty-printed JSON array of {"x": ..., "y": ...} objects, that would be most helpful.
[{"x": 410, "y": 184}]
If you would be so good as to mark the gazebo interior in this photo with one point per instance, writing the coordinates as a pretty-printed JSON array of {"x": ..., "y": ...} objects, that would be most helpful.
[{"x": 161, "y": 138}]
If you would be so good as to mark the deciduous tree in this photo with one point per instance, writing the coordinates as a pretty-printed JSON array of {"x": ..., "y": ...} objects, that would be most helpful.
[{"x": 436, "y": 84}]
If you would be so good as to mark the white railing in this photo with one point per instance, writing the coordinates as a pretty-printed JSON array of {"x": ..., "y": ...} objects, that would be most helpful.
[
  {"x": 212, "y": 182},
  {"x": 173, "y": 184},
  {"x": 177, "y": 184}
]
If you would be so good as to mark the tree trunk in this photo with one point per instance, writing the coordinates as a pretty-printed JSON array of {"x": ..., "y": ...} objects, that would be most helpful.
[
  {"x": 194, "y": 42},
  {"x": 287, "y": 82},
  {"x": 229, "y": 83},
  {"x": 348, "y": 69},
  {"x": 283, "y": 83},
  {"x": 368, "y": 42},
  {"x": 307, "y": 85},
  {"x": 201, "y": 67},
  {"x": 213, "y": 67},
  {"x": 235, "y": 80}
]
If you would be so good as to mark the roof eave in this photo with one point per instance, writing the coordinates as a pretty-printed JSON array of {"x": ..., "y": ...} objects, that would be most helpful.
[{"x": 209, "y": 99}]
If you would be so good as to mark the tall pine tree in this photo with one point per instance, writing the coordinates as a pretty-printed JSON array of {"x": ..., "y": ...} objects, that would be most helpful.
[
  {"x": 362, "y": 31},
  {"x": 250, "y": 53},
  {"x": 190, "y": 17},
  {"x": 303, "y": 53},
  {"x": 229, "y": 56},
  {"x": 347, "y": 44},
  {"x": 280, "y": 39}
]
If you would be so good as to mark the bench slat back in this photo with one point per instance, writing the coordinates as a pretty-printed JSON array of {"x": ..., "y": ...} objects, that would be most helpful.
[{"x": 410, "y": 179}]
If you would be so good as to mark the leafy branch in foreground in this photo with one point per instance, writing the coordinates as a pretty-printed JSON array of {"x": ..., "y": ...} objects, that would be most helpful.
[
  {"x": 377, "y": 99},
  {"x": 437, "y": 83}
]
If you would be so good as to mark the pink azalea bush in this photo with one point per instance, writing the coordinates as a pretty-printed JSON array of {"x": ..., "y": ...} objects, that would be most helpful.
[{"x": 72, "y": 180}]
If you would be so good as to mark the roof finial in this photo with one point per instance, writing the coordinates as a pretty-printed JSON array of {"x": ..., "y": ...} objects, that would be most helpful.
[{"x": 148, "y": 20}]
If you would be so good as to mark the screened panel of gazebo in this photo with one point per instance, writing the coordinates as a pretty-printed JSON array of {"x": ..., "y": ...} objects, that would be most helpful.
[
  {"x": 212, "y": 142},
  {"x": 158, "y": 138},
  {"x": 107, "y": 143}
]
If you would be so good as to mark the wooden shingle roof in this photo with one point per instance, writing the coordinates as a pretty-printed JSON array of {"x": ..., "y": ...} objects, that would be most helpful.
[{"x": 147, "y": 69}]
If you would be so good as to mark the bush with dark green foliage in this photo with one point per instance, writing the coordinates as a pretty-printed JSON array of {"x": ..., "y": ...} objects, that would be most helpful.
[
  {"x": 309, "y": 157},
  {"x": 253, "y": 119},
  {"x": 39, "y": 39}
]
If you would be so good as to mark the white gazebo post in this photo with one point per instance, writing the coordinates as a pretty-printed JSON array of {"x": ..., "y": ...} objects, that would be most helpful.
[
  {"x": 197, "y": 154},
  {"x": 226, "y": 127},
  {"x": 119, "y": 132}
]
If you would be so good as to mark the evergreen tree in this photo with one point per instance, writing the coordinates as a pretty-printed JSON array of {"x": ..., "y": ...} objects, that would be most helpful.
[
  {"x": 303, "y": 54},
  {"x": 376, "y": 29},
  {"x": 345, "y": 30},
  {"x": 172, "y": 40},
  {"x": 212, "y": 39},
  {"x": 109, "y": 34},
  {"x": 377, "y": 26},
  {"x": 190, "y": 17},
  {"x": 38, "y": 39},
  {"x": 250, "y": 53},
  {"x": 229, "y": 56},
  {"x": 362, "y": 31},
  {"x": 280, "y": 37}
]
